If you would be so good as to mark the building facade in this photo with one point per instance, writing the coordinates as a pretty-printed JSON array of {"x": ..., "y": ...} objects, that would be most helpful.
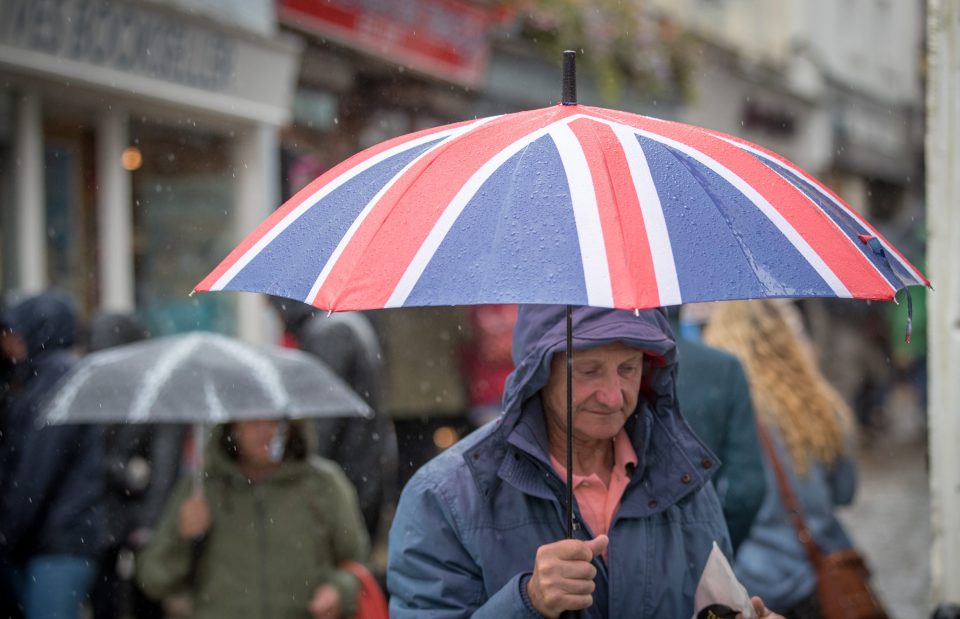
[{"x": 137, "y": 140}]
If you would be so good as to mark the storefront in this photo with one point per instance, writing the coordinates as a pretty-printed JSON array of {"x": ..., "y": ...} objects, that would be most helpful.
[
  {"x": 372, "y": 70},
  {"x": 138, "y": 143}
]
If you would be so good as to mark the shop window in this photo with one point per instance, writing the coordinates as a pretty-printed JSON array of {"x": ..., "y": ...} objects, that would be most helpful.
[
  {"x": 183, "y": 203},
  {"x": 70, "y": 213}
]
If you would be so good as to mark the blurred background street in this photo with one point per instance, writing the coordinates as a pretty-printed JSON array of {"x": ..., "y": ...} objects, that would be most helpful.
[
  {"x": 890, "y": 520},
  {"x": 140, "y": 140}
]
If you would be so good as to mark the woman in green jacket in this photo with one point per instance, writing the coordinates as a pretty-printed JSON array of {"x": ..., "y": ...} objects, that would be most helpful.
[{"x": 264, "y": 535}]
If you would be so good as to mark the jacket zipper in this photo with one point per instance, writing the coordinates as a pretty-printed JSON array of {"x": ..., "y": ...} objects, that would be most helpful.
[{"x": 262, "y": 530}]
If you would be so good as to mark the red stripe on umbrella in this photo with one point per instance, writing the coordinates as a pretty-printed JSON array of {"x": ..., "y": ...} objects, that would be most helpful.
[
  {"x": 412, "y": 205},
  {"x": 624, "y": 231}
]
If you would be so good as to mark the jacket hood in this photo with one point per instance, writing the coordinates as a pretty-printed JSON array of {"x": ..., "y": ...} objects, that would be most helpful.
[
  {"x": 108, "y": 329},
  {"x": 46, "y": 322},
  {"x": 541, "y": 331},
  {"x": 673, "y": 463}
]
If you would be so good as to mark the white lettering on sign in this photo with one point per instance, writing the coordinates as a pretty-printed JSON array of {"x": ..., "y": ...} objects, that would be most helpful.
[{"x": 120, "y": 36}]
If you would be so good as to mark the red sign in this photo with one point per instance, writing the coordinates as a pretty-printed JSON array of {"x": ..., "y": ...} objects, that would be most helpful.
[{"x": 444, "y": 38}]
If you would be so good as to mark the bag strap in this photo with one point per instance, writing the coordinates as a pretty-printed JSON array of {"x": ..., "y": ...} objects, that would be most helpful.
[{"x": 790, "y": 501}]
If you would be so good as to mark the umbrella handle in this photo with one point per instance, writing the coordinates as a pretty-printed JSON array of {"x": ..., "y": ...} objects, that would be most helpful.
[
  {"x": 570, "y": 614},
  {"x": 200, "y": 432}
]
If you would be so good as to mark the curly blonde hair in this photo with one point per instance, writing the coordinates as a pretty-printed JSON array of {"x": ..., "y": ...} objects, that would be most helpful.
[{"x": 787, "y": 387}]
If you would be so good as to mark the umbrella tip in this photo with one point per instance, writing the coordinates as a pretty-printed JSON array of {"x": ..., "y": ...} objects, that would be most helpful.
[{"x": 568, "y": 96}]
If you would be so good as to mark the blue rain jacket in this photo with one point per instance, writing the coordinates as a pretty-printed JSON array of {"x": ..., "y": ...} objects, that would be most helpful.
[
  {"x": 469, "y": 523},
  {"x": 772, "y": 562}
]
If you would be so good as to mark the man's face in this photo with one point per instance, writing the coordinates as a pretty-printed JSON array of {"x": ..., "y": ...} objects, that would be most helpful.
[{"x": 606, "y": 385}]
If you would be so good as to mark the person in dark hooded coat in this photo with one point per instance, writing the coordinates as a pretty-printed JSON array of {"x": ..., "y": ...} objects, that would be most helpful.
[
  {"x": 50, "y": 519},
  {"x": 13, "y": 352},
  {"x": 142, "y": 464},
  {"x": 476, "y": 531}
]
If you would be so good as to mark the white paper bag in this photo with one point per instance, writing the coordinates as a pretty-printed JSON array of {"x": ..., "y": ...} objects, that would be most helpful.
[{"x": 719, "y": 591}]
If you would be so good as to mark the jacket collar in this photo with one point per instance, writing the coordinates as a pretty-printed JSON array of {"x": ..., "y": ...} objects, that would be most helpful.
[{"x": 673, "y": 463}]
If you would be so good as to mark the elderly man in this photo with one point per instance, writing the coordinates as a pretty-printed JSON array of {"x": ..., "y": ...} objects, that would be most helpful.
[{"x": 476, "y": 529}]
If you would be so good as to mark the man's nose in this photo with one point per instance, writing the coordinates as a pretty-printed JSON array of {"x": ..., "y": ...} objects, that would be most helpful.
[{"x": 610, "y": 394}]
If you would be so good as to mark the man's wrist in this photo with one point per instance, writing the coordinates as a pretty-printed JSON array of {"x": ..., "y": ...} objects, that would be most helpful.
[{"x": 525, "y": 593}]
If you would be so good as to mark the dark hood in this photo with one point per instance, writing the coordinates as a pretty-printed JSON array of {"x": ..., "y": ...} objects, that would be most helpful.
[
  {"x": 46, "y": 322},
  {"x": 672, "y": 462},
  {"x": 294, "y": 314},
  {"x": 108, "y": 329},
  {"x": 541, "y": 331}
]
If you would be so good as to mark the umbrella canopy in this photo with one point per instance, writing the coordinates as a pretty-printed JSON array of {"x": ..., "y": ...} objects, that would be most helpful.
[
  {"x": 569, "y": 204},
  {"x": 201, "y": 378}
]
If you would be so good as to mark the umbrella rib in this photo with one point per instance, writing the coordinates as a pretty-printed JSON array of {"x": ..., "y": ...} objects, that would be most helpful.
[
  {"x": 66, "y": 394},
  {"x": 866, "y": 227},
  {"x": 265, "y": 373},
  {"x": 155, "y": 378},
  {"x": 452, "y": 213},
  {"x": 317, "y": 197},
  {"x": 658, "y": 237},
  {"x": 583, "y": 197},
  {"x": 361, "y": 218},
  {"x": 768, "y": 210},
  {"x": 218, "y": 413}
]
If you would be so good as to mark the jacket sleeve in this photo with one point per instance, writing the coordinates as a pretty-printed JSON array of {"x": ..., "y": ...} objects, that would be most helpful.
[
  {"x": 358, "y": 445},
  {"x": 740, "y": 483},
  {"x": 350, "y": 543},
  {"x": 165, "y": 453},
  {"x": 46, "y": 454},
  {"x": 165, "y": 563},
  {"x": 842, "y": 476},
  {"x": 430, "y": 573}
]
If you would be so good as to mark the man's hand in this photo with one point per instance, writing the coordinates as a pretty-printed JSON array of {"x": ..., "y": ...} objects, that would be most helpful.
[
  {"x": 325, "y": 603},
  {"x": 762, "y": 611},
  {"x": 563, "y": 575},
  {"x": 194, "y": 517}
]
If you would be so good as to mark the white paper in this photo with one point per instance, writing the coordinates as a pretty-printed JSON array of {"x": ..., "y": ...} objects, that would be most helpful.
[{"x": 719, "y": 585}]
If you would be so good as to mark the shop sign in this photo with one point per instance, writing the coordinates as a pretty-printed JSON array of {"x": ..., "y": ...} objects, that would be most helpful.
[
  {"x": 133, "y": 48},
  {"x": 443, "y": 38}
]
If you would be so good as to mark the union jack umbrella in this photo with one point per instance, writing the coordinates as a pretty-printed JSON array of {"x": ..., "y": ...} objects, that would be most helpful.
[{"x": 568, "y": 204}]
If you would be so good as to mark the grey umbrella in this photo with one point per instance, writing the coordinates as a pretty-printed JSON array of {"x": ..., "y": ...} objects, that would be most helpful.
[{"x": 199, "y": 378}]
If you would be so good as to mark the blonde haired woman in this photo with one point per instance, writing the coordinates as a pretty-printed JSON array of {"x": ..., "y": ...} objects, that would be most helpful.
[{"x": 809, "y": 428}]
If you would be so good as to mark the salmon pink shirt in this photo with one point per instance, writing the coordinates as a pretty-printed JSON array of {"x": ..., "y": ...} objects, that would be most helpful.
[{"x": 598, "y": 502}]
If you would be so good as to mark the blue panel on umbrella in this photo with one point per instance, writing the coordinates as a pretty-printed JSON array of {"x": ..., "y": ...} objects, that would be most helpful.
[
  {"x": 514, "y": 242},
  {"x": 848, "y": 224},
  {"x": 290, "y": 264},
  {"x": 723, "y": 245}
]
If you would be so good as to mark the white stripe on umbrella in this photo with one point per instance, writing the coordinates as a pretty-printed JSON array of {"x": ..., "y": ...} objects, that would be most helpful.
[
  {"x": 661, "y": 250},
  {"x": 264, "y": 373},
  {"x": 452, "y": 212},
  {"x": 69, "y": 391},
  {"x": 155, "y": 378},
  {"x": 348, "y": 236},
  {"x": 218, "y": 413},
  {"x": 593, "y": 251},
  {"x": 788, "y": 231},
  {"x": 827, "y": 196},
  {"x": 326, "y": 190}
]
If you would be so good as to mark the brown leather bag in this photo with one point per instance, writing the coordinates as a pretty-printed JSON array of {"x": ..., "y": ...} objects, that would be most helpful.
[
  {"x": 843, "y": 580},
  {"x": 843, "y": 587}
]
